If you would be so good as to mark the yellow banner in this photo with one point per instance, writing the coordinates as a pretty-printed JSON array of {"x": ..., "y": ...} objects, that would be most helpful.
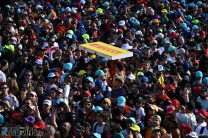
[{"x": 106, "y": 50}]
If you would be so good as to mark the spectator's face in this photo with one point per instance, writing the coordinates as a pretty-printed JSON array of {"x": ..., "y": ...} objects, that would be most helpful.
[
  {"x": 28, "y": 76},
  {"x": 5, "y": 67},
  {"x": 156, "y": 134},
  {"x": 88, "y": 105},
  {"x": 66, "y": 127},
  {"x": 4, "y": 89},
  {"x": 24, "y": 59},
  {"x": 46, "y": 107},
  {"x": 99, "y": 118},
  {"x": 155, "y": 122},
  {"x": 146, "y": 66},
  {"x": 32, "y": 97}
]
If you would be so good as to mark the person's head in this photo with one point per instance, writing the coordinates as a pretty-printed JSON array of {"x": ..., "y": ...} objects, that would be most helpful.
[
  {"x": 201, "y": 116},
  {"x": 52, "y": 78},
  {"x": 4, "y": 89},
  {"x": 39, "y": 70},
  {"x": 32, "y": 96},
  {"x": 47, "y": 105},
  {"x": 40, "y": 87},
  {"x": 106, "y": 103},
  {"x": 146, "y": 66},
  {"x": 49, "y": 131},
  {"x": 119, "y": 113},
  {"x": 59, "y": 93},
  {"x": 28, "y": 75},
  {"x": 156, "y": 132},
  {"x": 88, "y": 103},
  {"x": 4, "y": 65},
  {"x": 156, "y": 120},
  {"x": 130, "y": 121},
  {"x": 66, "y": 127},
  {"x": 24, "y": 58},
  {"x": 203, "y": 93}
]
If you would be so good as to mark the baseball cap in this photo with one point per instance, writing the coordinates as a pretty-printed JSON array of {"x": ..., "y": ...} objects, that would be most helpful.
[
  {"x": 90, "y": 79},
  {"x": 121, "y": 101},
  {"x": 121, "y": 23},
  {"x": 97, "y": 109},
  {"x": 140, "y": 73},
  {"x": 132, "y": 119},
  {"x": 170, "y": 109},
  {"x": 30, "y": 119},
  {"x": 144, "y": 79},
  {"x": 203, "y": 113},
  {"x": 81, "y": 72},
  {"x": 59, "y": 90},
  {"x": 51, "y": 75},
  {"x": 135, "y": 128},
  {"x": 1, "y": 119},
  {"x": 99, "y": 72},
  {"x": 205, "y": 80},
  {"x": 68, "y": 66},
  {"x": 198, "y": 74},
  {"x": 39, "y": 124},
  {"x": 160, "y": 68},
  {"x": 131, "y": 77},
  {"x": 47, "y": 102},
  {"x": 171, "y": 48}
]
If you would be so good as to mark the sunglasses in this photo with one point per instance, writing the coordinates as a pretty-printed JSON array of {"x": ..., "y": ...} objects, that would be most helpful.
[{"x": 4, "y": 87}]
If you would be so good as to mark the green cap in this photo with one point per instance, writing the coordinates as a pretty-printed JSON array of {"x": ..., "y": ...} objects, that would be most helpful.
[
  {"x": 195, "y": 21},
  {"x": 86, "y": 36},
  {"x": 10, "y": 47}
]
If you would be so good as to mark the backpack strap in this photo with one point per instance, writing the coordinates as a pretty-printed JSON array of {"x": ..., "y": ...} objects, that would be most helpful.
[
  {"x": 95, "y": 126},
  {"x": 201, "y": 130}
]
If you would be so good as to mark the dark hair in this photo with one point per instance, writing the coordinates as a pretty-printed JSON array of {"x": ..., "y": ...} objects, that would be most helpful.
[{"x": 4, "y": 62}]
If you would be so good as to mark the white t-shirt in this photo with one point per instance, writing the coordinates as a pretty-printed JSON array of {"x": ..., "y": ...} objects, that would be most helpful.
[
  {"x": 2, "y": 77},
  {"x": 198, "y": 128},
  {"x": 205, "y": 132}
]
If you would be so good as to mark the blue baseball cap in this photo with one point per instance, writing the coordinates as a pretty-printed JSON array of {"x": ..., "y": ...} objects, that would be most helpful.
[
  {"x": 90, "y": 79},
  {"x": 69, "y": 36},
  {"x": 198, "y": 74},
  {"x": 205, "y": 80},
  {"x": 51, "y": 75},
  {"x": 97, "y": 109},
  {"x": 195, "y": 27},
  {"x": 1, "y": 119},
  {"x": 199, "y": 3},
  {"x": 106, "y": 4},
  {"x": 121, "y": 101},
  {"x": 99, "y": 72},
  {"x": 59, "y": 100},
  {"x": 144, "y": 79},
  {"x": 132, "y": 119},
  {"x": 68, "y": 66},
  {"x": 189, "y": 17}
]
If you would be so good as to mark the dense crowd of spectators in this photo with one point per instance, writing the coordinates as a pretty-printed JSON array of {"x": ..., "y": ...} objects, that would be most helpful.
[{"x": 48, "y": 83}]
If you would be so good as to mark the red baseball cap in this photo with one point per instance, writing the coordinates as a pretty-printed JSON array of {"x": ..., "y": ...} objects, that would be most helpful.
[
  {"x": 186, "y": 128},
  {"x": 170, "y": 109},
  {"x": 40, "y": 124},
  {"x": 203, "y": 113}
]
